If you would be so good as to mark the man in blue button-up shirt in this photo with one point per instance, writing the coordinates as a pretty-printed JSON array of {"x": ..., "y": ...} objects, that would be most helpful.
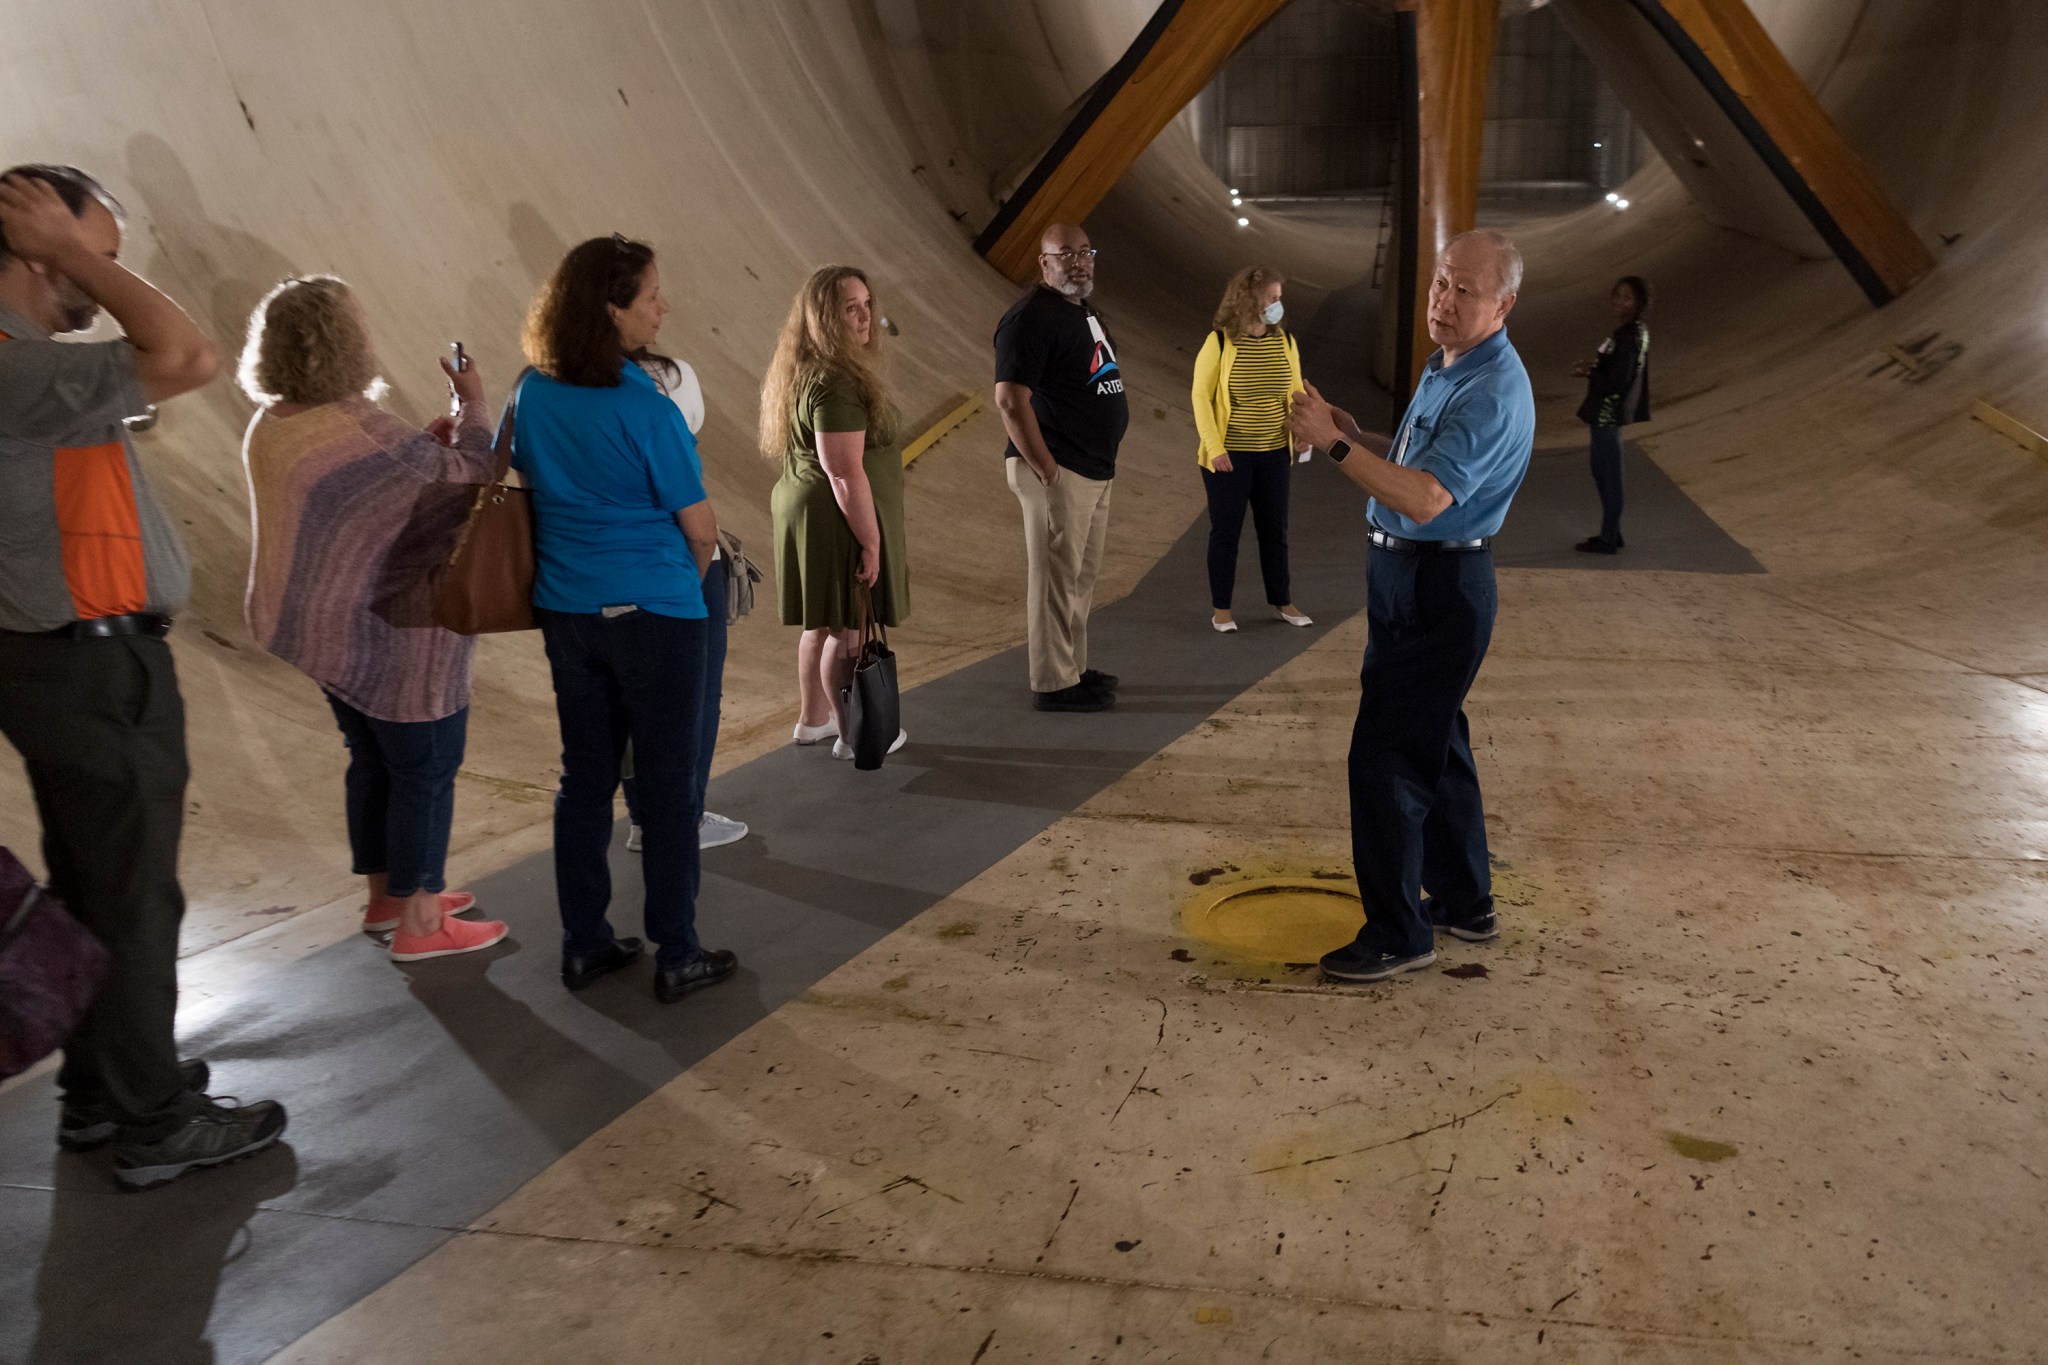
[{"x": 1440, "y": 489}]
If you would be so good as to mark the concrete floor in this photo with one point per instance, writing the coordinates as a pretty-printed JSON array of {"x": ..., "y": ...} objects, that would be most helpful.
[{"x": 1753, "y": 1075}]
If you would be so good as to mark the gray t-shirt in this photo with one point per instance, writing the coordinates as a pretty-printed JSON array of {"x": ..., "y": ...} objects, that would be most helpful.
[{"x": 80, "y": 534}]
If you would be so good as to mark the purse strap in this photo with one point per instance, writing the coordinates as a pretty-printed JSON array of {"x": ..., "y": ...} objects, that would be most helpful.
[{"x": 502, "y": 448}]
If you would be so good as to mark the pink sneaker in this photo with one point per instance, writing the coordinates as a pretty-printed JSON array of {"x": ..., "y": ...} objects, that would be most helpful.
[
  {"x": 382, "y": 914},
  {"x": 454, "y": 936}
]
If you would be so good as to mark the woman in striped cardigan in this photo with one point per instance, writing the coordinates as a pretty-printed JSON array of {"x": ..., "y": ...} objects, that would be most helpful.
[{"x": 1247, "y": 372}]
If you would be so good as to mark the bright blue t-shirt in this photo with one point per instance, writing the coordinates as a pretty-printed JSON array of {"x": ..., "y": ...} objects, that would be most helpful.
[
  {"x": 1472, "y": 426},
  {"x": 609, "y": 470}
]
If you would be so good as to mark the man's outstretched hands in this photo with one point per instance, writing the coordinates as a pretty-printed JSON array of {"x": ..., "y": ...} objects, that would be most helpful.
[{"x": 1318, "y": 421}]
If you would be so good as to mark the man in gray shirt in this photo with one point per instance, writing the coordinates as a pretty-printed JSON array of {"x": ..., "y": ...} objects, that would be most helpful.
[{"x": 90, "y": 573}]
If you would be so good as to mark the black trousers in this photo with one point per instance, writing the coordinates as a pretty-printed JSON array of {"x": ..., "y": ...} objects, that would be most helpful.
[
  {"x": 634, "y": 677},
  {"x": 1257, "y": 478},
  {"x": 101, "y": 729},
  {"x": 1416, "y": 815},
  {"x": 1605, "y": 444}
]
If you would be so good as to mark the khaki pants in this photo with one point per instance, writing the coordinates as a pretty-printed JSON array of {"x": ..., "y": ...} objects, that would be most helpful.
[{"x": 1064, "y": 528}]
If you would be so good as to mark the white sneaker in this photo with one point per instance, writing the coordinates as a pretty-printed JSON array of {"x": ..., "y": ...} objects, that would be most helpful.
[
  {"x": 1295, "y": 619},
  {"x": 632, "y": 838},
  {"x": 716, "y": 831},
  {"x": 1222, "y": 627},
  {"x": 840, "y": 748},
  {"x": 816, "y": 734}
]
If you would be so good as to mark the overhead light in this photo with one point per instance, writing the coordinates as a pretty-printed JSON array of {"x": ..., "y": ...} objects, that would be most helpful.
[
  {"x": 1596, "y": 144},
  {"x": 1244, "y": 222},
  {"x": 1233, "y": 191},
  {"x": 1621, "y": 203},
  {"x": 1235, "y": 201},
  {"x": 1613, "y": 198}
]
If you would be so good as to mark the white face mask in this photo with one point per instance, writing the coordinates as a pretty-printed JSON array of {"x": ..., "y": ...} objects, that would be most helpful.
[{"x": 1275, "y": 311}]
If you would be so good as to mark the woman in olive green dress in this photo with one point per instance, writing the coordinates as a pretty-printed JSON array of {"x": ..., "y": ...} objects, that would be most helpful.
[{"x": 839, "y": 503}]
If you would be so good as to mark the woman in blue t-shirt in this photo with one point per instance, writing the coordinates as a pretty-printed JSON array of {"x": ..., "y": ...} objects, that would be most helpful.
[{"x": 623, "y": 534}]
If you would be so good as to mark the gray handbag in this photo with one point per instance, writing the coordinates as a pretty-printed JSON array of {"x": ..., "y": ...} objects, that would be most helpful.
[{"x": 741, "y": 574}]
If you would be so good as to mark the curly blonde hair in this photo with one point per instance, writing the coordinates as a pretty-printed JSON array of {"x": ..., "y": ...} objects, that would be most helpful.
[
  {"x": 1239, "y": 312},
  {"x": 308, "y": 345},
  {"x": 817, "y": 344}
]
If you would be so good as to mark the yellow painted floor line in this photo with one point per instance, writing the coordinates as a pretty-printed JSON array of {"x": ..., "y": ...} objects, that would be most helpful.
[
  {"x": 968, "y": 406},
  {"x": 2005, "y": 424}
]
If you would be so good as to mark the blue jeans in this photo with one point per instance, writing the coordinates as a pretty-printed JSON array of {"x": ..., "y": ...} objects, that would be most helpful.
[
  {"x": 617, "y": 679},
  {"x": 709, "y": 697},
  {"x": 401, "y": 794},
  {"x": 1605, "y": 444},
  {"x": 1416, "y": 816}
]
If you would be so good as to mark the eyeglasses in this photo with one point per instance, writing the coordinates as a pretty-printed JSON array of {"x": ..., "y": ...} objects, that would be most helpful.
[{"x": 1086, "y": 253}]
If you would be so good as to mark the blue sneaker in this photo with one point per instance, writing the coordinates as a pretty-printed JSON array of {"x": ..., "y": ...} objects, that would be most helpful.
[
  {"x": 1357, "y": 965},
  {"x": 1481, "y": 927}
]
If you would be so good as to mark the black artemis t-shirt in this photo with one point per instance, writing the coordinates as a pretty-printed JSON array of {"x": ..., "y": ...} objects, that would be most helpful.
[{"x": 1063, "y": 353}]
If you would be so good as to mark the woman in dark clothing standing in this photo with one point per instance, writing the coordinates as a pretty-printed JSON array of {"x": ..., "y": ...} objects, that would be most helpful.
[{"x": 1617, "y": 393}]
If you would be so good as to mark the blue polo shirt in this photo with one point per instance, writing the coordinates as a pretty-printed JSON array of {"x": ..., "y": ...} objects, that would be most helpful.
[
  {"x": 609, "y": 469},
  {"x": 1472, "y": 426}
]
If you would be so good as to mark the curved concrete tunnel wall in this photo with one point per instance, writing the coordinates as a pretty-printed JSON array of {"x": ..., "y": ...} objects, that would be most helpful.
[{"x": 441, "y": 158}]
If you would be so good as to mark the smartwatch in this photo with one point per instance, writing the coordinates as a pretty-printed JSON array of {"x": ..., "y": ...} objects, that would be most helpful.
[{"x": 1339, "y": 448}]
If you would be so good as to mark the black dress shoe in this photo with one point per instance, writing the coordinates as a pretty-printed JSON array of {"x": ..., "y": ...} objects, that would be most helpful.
[
  {"x": 708, "y": 968},
  {"x": 1100, "y": 681},
  {"x": 1079, "y": 697},
  {"x": 1593, "y": 545},
  {"x": 580, "y": 969}
]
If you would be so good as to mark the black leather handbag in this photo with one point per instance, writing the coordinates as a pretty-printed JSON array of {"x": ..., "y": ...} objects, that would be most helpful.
[{"x": 874, "y": 711}]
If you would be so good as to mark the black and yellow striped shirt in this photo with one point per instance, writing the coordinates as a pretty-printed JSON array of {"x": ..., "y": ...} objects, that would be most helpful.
[{"x": 1259, "y": 383}]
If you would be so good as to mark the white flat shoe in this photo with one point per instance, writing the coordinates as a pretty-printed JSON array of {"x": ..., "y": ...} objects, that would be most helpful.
[
  {"x": 1222, "y": 627},
  {"x": 1296, "y": 619},
  {"x": 816, "y": 734},
  {"x": 841, "y": 749}
]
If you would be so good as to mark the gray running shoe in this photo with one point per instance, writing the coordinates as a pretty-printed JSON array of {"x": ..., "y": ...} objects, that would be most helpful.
[
  {"x": 716, "y": 831},
  {"x": 219, "y": 1132}
]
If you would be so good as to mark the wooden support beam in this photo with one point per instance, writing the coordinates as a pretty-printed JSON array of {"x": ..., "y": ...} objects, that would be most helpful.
[
  {"x": 1452, "y": 58},
  {"x": 1179, "y": 51},
  {"x": 1733, "y": 57}
]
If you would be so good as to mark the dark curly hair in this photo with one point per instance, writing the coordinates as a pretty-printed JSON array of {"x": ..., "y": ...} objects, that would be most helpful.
[
  {"x": 1640, "y": 287},
  {"x": 570, "y": 337},
  {"x": 73, "y": 186}
]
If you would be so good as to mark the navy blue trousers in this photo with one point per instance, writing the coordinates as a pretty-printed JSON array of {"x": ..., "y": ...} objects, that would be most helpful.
[
  {"x": 400, "y": 790},
  {"x": 619, "y": 678},
  {"x": 1416, "y": 817},
  {"x": 1605, "y": 444},
  {"x": 710, "y": 696},
  {"x": 1257, "y": 479}
]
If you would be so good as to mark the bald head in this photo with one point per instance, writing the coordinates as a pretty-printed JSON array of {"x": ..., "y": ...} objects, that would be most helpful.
[{"x": 1066, "y": 261}]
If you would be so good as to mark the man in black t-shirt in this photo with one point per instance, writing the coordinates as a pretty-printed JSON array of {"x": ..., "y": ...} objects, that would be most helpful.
[{"x": 1062, "y": 400}]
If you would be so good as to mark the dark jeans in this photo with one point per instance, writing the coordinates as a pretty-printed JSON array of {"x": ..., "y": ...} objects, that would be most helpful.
[
  {"x": 710, "y": 695},
  {"x": 400, "y": 791},
  {"x": 1606, "y": 446},
  {"x": 1258, "y": 478},
  {"x": 1416, "y": 818},
  {"x": 101, "y": 729},
  {"x": 626, "y": 678}
]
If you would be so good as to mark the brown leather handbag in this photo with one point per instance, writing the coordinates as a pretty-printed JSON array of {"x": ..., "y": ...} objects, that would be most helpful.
[{"x": 486, "y": 586}]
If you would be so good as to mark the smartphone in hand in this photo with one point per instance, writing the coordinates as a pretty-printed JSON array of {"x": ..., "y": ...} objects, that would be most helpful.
[{"x": 459, "y": 358}]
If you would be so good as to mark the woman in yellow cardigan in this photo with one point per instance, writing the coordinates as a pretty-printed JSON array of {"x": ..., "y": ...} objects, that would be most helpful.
[{"x": 1246, "y": 374}]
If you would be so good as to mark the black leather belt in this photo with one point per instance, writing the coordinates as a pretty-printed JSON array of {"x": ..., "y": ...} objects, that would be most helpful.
[
  {"x": 1409, "y": 547},
  {"x": 105, "y": 627}
]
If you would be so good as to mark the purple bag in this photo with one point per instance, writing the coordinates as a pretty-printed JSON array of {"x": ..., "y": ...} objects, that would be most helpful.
[{"x": 50, "y": 968}]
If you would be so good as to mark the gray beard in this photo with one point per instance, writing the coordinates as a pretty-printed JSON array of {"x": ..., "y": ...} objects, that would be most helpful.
[{"x": 1077, "y": 291}]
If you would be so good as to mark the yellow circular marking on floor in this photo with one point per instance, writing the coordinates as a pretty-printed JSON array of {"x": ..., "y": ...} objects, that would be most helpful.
[{"x": 1276, "y": 919}]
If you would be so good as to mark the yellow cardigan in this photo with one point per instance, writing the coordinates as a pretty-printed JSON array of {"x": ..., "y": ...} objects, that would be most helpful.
[{"x": 1212, "y": 392}]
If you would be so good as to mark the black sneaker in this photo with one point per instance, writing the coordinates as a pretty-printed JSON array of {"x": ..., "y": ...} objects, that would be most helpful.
[
  {"x": 1357, "y": 966},
  {"x": 219, "y": 1132},
  {"x": 1100, "y": 681},
  {"x": 1479, "y": 927},
  {"x": 1593, "y": 545},
  {"x": 1079, "y": 697},
  {"x": 580, "y": 969},
  {"x": 80, "y": 1129},
  {"x": 708, "y": 968}
]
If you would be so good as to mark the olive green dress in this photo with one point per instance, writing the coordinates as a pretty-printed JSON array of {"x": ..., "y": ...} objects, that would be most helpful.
[{"x": 815, "y": 549}]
